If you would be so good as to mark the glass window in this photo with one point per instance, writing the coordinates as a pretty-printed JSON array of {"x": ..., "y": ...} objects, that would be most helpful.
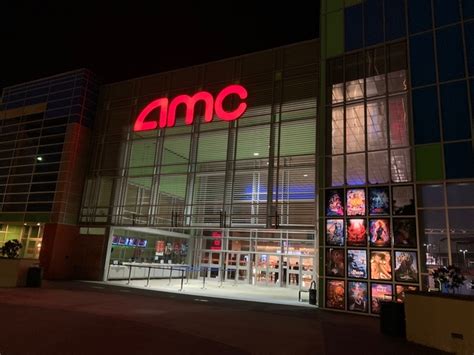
[
  {"x": 455, "y": 111},
  {"x": 212, "y": 146},
  {"x": 422, "y": 59},
  {"x": 468, "y": 8},
  {"x": 375, "y": 72},
  {"x": 397, "y": 64},
  {"x": 450, "y": 53},
  {"x": 459, "y": 160},
  {"x": 355, "y": 169},
  {"x": 461, "y": 194},
  {"x": 425, "y": 115},
  {"x": 355, "y": 128},
  {"x": 353, "y": 27},
  {"x": 400, "y": 164},
  {"x": 376, "y": 125},
  {"x": 469, "y": 36},
  {"x": 446, "y": 12},
  {"x": 419, "y": 15},
  {"x": 337, "y": 130},
  {"x": 335, "y": 79},
  {"x": 430, "y": 196},
  {"x": 354, "y": 71},
  {"x": 394, "y": 19},
  {"x": 397, "y": 113},
  {"x": 337, "y": 170},
  {"x": 373, "y": 22},
  {"x": 433, "y": 239},
  {"x": 378, "y": 167},
  {"x": 298, "y": 138},
  {"x": 176, "y": 149},
  {"x": 253, "y": 142}
]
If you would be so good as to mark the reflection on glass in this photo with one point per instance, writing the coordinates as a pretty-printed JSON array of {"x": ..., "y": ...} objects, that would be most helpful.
[
  {"x": 397, "y": 112},
  {"x": 355, "y": 89},
  {"x": 355, "y": 128},
  {"x": 375, "y": 85},
  {"x": 355, "y": 169},
  {"x": 378, "y": 167},
  {"x": 400, "y": 165},
  {"x": 337, "y": 93},
  {"x": 397, "y": 81},
  {"x": 376, "y": 125},
  {"x": 337, "y": 171},
  {"x": 430, "y": 196},
  {"x": 337, "y": 134},
  {"x": 461, "y": 194}
]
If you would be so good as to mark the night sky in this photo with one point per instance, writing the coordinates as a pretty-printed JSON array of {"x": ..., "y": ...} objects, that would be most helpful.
[{"x": 117, "y": 41}]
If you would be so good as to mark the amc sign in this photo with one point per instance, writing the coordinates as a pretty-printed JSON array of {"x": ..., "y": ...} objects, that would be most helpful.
[{"x": 167, "y": 116}]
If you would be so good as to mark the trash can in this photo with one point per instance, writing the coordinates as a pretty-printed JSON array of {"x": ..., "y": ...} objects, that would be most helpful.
[
  {"x": 312, "y": 293},
  {"x": 392, "y": 318},
  {"x": 34, "y": 276}
]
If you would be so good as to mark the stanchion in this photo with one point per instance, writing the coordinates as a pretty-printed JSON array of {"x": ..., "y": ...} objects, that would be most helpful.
[
  {"x": 182, "y": 279},
  {"x": 171, "y": 273},
  {"x": 129, "y": 275},
  {"x": 148, "y": 280}
]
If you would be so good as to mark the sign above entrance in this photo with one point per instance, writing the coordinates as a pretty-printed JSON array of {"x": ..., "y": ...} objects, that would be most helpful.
[{"x": 167, "y": 116}]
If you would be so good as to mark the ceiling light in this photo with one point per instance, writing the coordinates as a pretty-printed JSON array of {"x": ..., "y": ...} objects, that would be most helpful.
[
  {"x": 256, "y": 154},
  {"x": 305, "y": 175},
  {"x": 39, "y": 158}
]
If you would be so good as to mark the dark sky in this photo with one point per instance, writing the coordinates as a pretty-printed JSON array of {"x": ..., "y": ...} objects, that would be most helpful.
[{"x": 119, "y": 41}]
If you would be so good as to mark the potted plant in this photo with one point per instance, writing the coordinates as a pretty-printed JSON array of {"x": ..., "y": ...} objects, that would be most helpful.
[
  {"x": 449, "y": 278},
  {"x": 11, "y": 249}
]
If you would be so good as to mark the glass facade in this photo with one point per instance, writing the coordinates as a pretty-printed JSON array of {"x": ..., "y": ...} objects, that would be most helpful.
[{"x": 352, "y": 165}]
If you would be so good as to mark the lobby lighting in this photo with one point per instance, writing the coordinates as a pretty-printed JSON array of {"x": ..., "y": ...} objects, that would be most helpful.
[
  {"x": 305, "y": 175},
  {"x": 256, "y": 154}
]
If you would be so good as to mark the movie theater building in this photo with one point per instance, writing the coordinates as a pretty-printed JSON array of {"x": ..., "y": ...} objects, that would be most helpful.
[{"x": 347, "y": 161}]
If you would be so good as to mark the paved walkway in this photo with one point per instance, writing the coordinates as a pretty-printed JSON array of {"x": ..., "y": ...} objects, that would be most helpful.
[
  {"x": 85, "y": 318},
  {"x": 228, "y": 290}
]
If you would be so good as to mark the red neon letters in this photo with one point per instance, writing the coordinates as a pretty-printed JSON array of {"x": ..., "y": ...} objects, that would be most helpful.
[{"x": 167, "y": 117}]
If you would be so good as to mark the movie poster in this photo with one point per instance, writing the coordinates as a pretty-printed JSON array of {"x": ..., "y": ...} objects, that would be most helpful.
[
  {"x": 404, "y": 232},
  {"x": 379, "y": 203},
  {"x": 335, "y": 265},
  {"x": 380, "y": 293},
  {"x": 406, "y": 269},
  {"x": 400, "y": 292},
  {"x": 335, "y": 232},
  {"x": 379, "y": 232},
  {"x": 356, "y": 232},
  {"x": 335, "y": 294},
  {"x": 159, "y": 247},
  {"x": 335, "y": 202},
  {"x": 357, "y": 263},
  {"x": 380, "y": 265},
  {"x": 403, "y": 201},
  {"x": 355, "y": 202},
  {"x": 357, "y": 296}
]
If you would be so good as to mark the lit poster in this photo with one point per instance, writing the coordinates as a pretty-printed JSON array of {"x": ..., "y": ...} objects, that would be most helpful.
[
  {"x": 335, "y": 232},
  {"x": 406, "y": 269},
  {"x": 356, "y": 232},
  {"x": 334, "y": 202},
  {"x": 380, "y": 265},
  {"x": 379, "y": 203},
  {"x": 379, "y": 231},
  {"x": 379, "y": 294},
  {"x": 404, "y": 232},
  {"x": 357, "y": 296},
  {"x": 400, "y": 291},
  {"x": 355, "y": 202},
  {"x": 403, "y": 202},
  {"x": 335, "y": 265},
  {"x": 357, "y": 263},
  {"x": 335, "y": 294},
  {"x": 159, "y": 247}
]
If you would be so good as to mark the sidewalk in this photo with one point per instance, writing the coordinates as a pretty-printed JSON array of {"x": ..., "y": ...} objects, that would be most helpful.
[{"x": 85, "y": 318}]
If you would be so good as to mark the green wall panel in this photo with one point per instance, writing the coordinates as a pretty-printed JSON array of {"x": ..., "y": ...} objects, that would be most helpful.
[
  {"x": 334, "y": 34},
  {"x": 334, "y": 5},
  {"x": 429, "y": 164},
  {"x": 351, "y": 2}
]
